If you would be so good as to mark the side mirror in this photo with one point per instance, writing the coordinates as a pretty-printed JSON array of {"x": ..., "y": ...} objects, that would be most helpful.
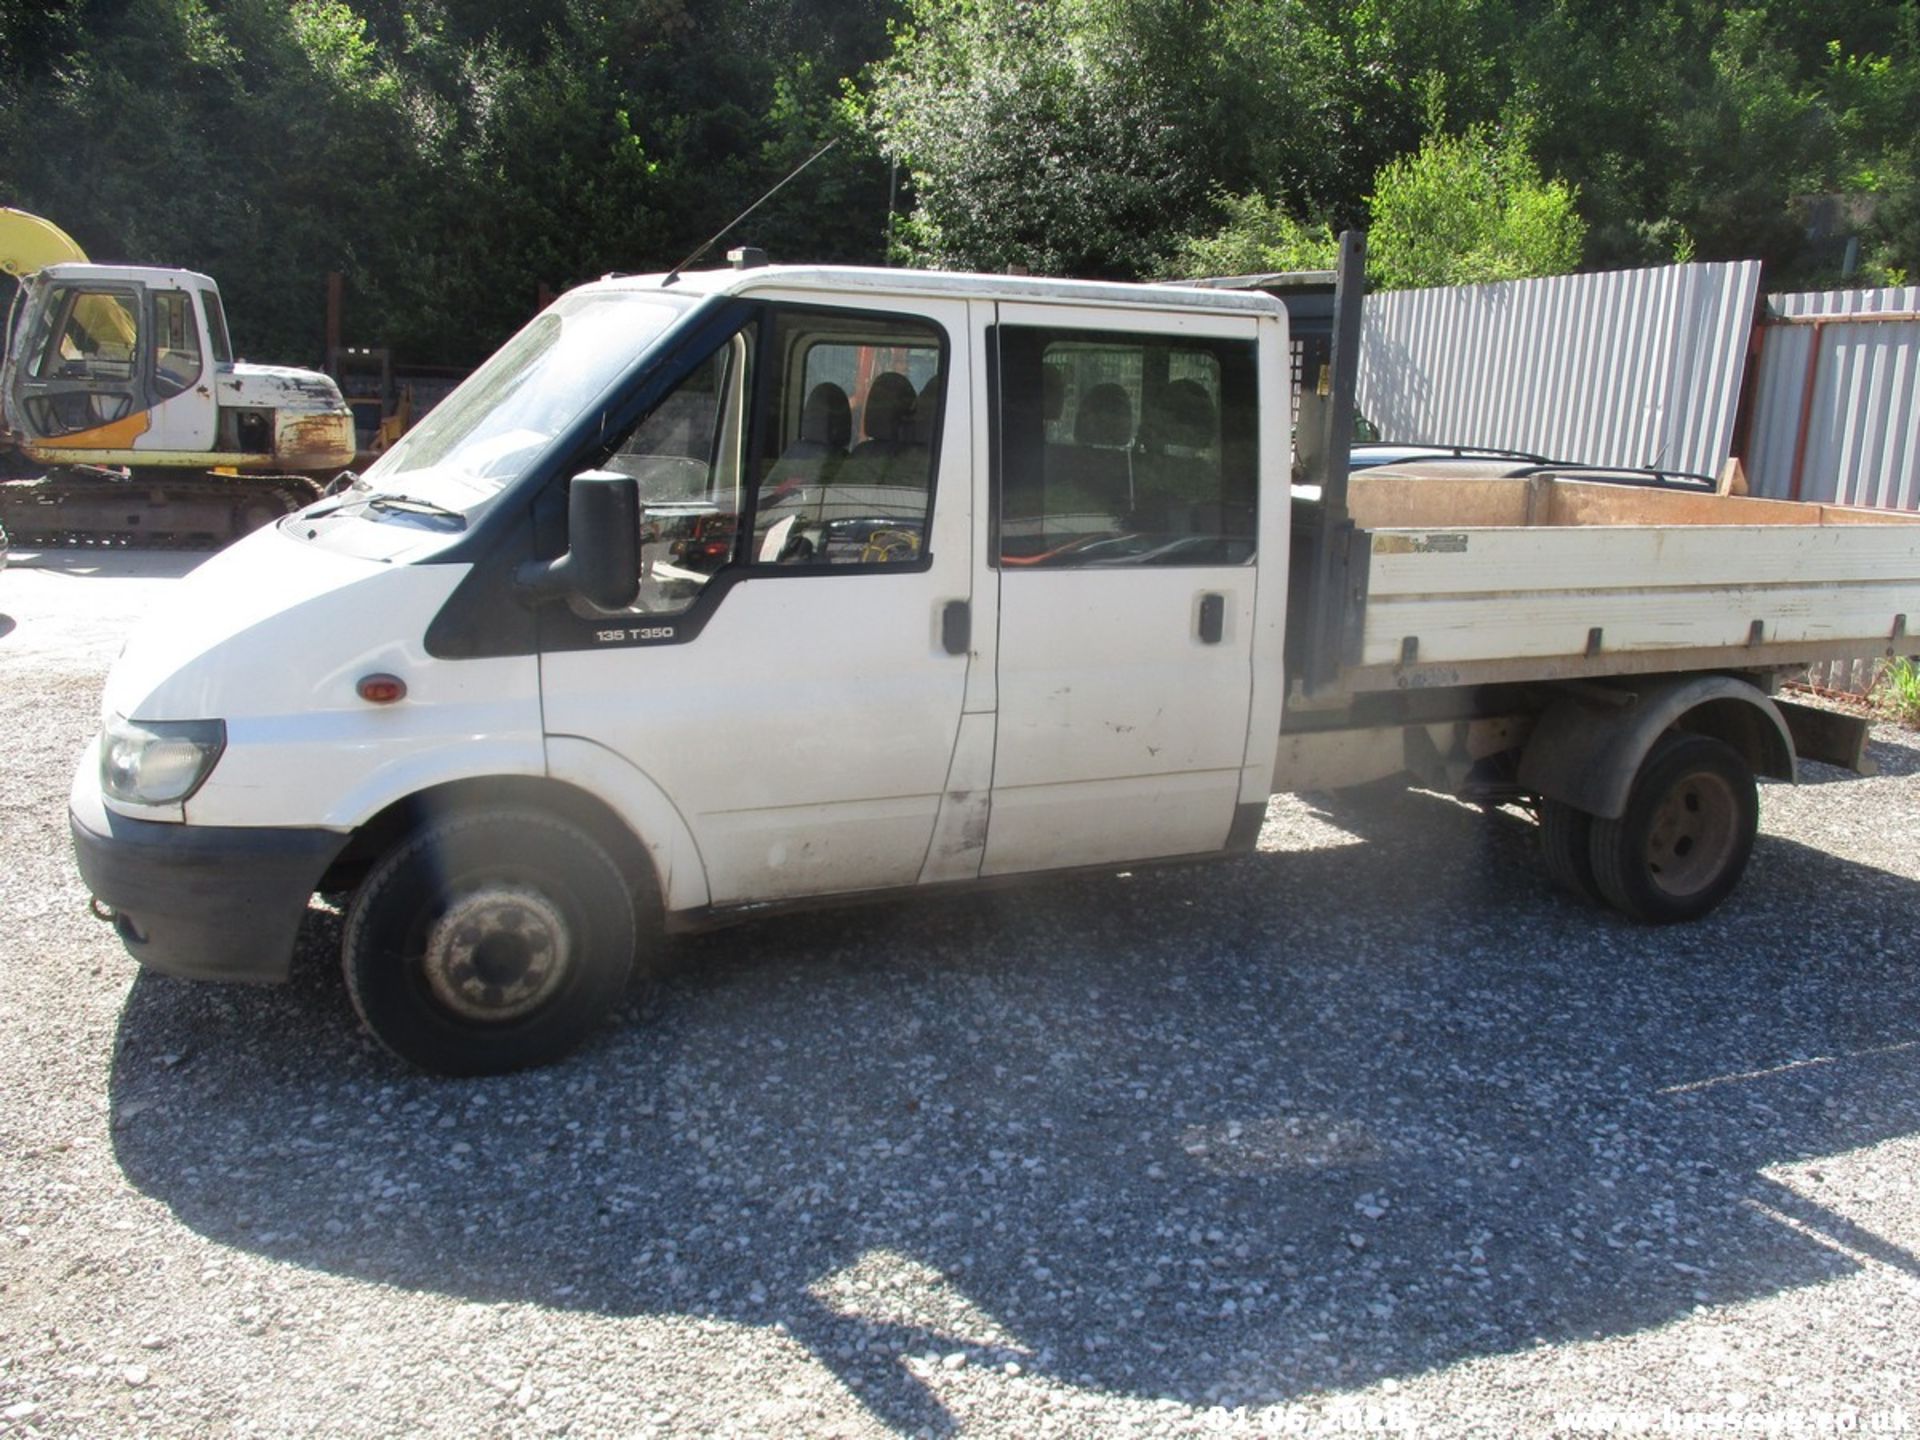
[{"x": 602, "y": 563}]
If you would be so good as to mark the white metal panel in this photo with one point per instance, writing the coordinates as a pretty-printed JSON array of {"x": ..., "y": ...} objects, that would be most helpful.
[
  {"x": 1121, "y": 735},
  {"x": 1621, "y": 368},
  {"x": 1512, "y": 593},
  {"x": 271, "y": 636},
  {"x": 807, "y": 732},
  {"x": 1862, "y": 416}
]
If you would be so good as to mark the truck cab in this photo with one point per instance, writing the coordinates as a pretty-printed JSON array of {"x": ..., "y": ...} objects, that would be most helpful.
[{"x": 926, "y": 579}]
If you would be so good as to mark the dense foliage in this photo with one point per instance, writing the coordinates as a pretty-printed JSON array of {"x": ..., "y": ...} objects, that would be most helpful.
[
  {"x": 448, "y": 158},
  {"x": 452, "y": 156},
  {"x": 1609, "y": 134}
]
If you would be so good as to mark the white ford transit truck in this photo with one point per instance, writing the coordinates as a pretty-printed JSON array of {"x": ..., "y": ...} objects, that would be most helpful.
[{"x": 717, "y": 592}]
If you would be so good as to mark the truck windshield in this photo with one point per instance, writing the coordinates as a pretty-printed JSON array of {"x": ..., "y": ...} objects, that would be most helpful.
[{"x": 481, "y": 437}]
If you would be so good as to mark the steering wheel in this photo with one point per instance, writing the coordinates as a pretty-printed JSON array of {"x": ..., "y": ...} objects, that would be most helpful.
[{"x": 888, "y": 546}]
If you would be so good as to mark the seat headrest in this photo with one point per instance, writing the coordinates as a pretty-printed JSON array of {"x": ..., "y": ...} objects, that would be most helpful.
[
  {"x": 889, "y": 410},
  {"x": 827, "y": 418},
  {"x": 925, "y": 408},
  {"x": 1183, "y": 415},
  {"x": 1106, "y": 416},
  {"x": 1053, "y": 392}
]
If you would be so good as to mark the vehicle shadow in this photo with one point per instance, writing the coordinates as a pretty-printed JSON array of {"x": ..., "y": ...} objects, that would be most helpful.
[{"x": 1227, "y": 1134}]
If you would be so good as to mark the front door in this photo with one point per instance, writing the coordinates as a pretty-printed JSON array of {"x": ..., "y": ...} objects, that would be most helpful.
[
  {"x": 115, "y": 370},
  {"x": 1125, "y": 489},
  {"x": 785, "y": 676},
  {"x": 78, "y": 382},
  {"x": 184, "y": 413}
]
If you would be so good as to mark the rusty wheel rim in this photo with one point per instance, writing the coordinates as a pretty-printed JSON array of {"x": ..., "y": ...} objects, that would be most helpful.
[
  {"x": 1694, "y": 834},
  {"x": 498, "y": 953}
]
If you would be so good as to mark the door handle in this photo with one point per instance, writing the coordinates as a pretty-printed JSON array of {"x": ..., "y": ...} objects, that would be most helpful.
[
  {"x": 1213, "y": 618},
  {"x": 956, "y": 627}
]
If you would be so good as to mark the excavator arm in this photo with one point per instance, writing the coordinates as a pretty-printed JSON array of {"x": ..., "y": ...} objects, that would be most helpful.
[{"x": 29, "y": 243}]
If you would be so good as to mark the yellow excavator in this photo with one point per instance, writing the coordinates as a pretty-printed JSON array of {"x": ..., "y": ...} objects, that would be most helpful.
[{"x": 125, "y": 419}]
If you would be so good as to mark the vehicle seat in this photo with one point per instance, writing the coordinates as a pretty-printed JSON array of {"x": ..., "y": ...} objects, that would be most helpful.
[
  {"x": 887, "y": 420},
  {"x": 914, "y": 464},
  {"x": 926, "y": 410},
  {"x": 1100, "y": 464},
  {"x": 1180, "y": 463},
  {"x": 826, "y": 423},
  {"x": 174, "y": 371},
  {"x": 1182, "y": 420}
]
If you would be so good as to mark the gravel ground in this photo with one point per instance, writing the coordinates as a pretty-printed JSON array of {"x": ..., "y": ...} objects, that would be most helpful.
[{"x": 1370, "y": 1131}]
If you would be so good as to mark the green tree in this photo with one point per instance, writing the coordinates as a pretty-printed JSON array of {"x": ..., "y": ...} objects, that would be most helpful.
[
  {"x": 1460, "y": 210},
  {"x": 1037, "y": 135},
  {"x": 1469, "y": 208},
  {"x": 1257, "y": 238}
]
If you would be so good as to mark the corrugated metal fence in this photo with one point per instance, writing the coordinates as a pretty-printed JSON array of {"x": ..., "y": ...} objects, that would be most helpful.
[
  {"x": 1644, "y": 368},
  {"x": 1836, "y": 403},
  {"x": 1834, "y": 414},
  {"x": 1621, "y": 368}
]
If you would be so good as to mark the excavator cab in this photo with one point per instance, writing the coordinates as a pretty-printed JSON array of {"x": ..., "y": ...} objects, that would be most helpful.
[
  {"x": 127, "y": 419},
  {"x": 104, "y": 359}
]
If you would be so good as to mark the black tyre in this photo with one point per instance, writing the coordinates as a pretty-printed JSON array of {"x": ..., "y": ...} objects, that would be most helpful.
[
  {"x": 1680, "y": 847},
  {"x": 489, "y": 941},
  {"x": 1566, "y": 848}
]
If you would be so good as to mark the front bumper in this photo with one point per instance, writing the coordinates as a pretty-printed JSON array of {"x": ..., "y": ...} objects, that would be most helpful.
[{"x": 202, "y": 902}]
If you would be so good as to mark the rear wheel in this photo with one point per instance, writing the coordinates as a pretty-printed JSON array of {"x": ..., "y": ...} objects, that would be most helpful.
[
  {"x": 1684, "y": 839},
  {"x": 489, "y": 941},
  {"x": 1566, "y": 848}
]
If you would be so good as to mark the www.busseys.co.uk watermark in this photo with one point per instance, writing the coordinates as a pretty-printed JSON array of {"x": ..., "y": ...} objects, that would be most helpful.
[{"x": 1786, "y": 1421}]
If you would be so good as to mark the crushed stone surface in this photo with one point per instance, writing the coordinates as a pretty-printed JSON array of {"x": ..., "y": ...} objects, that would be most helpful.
[{"x": 1369, "y": 1132}]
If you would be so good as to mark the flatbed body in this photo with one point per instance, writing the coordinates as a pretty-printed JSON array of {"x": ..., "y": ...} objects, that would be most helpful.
[{"x": 1494, "y": 579}]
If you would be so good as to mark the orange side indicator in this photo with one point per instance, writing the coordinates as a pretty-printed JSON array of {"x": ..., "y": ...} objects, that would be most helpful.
[{"x": 381, "y": 689}]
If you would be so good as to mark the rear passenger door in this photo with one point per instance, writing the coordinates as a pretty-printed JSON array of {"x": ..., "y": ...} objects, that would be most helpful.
[{"x": 1124, "y": 487}]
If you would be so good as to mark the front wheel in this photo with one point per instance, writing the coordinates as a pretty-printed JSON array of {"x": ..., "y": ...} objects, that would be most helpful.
[
  {"x": 489, "y": 941},
  {"x": 1684, "y": 839}
]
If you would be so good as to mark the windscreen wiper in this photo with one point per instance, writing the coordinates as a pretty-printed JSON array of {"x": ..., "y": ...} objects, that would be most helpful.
[{"x": 414, "y": 505}]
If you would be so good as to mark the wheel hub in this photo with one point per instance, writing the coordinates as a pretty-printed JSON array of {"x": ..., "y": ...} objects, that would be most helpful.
[
  {"x": 497, "y": 953},
  {"x": 1693, "y": 833}
]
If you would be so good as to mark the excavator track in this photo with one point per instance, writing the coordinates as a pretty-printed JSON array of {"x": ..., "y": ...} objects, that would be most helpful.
[{"x": 146, "y": 509}]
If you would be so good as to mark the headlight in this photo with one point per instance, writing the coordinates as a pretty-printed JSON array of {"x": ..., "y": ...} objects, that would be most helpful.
[{"x": 158, "y": 762}]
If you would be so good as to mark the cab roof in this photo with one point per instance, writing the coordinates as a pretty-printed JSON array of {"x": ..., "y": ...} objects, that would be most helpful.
[
  {"x": 155, "y": 277},
  {"x": 947, "y": 284}
]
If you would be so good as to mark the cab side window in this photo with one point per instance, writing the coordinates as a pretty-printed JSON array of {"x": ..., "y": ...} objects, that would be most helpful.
[
  {"x": 1121, "y": 449},
  {"x": 805, "y": 441},
  {"x": 846, "y": 442},
  {"x": 81, "y": 361},
  {"x": 176, "y": 344},
  {"x": 92, "y": 336}
]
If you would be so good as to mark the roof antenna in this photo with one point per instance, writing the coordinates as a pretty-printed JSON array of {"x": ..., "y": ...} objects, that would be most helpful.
[{"x": 674, "y": 274}]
